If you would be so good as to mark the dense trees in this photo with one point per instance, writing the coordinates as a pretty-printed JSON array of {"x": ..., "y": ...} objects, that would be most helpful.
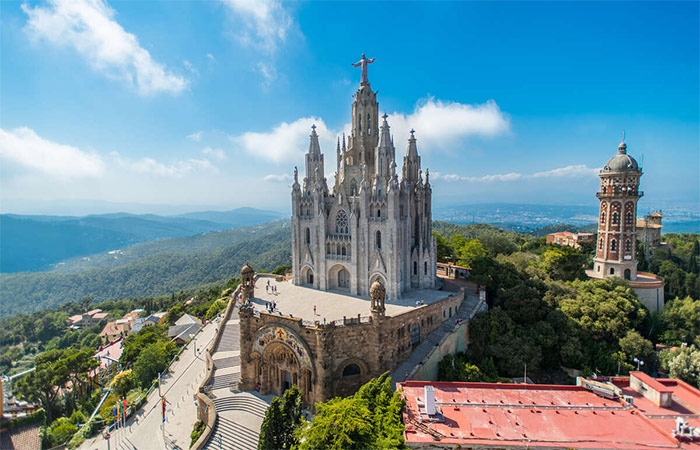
[
  {"x": 371, "y": 418},
  {"x": 282, "y": 419}
]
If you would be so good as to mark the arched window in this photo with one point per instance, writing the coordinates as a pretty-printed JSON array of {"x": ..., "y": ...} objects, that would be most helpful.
[
  {"x": 351, "y": 370},
  {"x": 602, "y": 217},
  {"x": 337, "y": 249},
  {"x": 378, "y": 239},
  {"x": 628, "y": 246},
  {"x": 617, "y": 190},
  {"x": 353, "y": 187},
  {"x": 613, "y": 245},
  {"x": 612, "y": 271},
  {"x": 628, "y": 218},
  {"x": 369, "y": 125},
  {"x": 341, "y": 222},
  {"x": 425, "y": 268},
  {"x": 605, "y": 189},
  {"x": 308, "y": 236},
  {"x": 343, "y": 251},
  {"x": 415, "y": 268},
  {"x": 615, "y": 218},
  {"x": 600, "y": 244},
  {"x": 379, "y": 213}
]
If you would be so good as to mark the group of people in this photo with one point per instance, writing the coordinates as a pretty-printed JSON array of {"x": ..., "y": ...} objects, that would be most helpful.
[
  {"x": 270, "y": 288},
  {"x": 271, "y": 306}
]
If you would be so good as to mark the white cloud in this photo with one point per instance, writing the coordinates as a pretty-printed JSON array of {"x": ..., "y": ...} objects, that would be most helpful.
[
  {"x": 214, "y": 152},
  {"x": 176, "y": 169},
  {"x": 190, "y": 67},
  {"x": 265, "y": 23},
  {"x": 195, "y": 136},
  {"x": 211, "y": 58},
  {"x": 89, "y": 27},
  {"x": 24, "y": 147},
  {"x": 442, "y": 125},
  {"x": 281, "y": 178},
  {"x": 287, "y": 141},
  {"x": 574, "y": 171}
]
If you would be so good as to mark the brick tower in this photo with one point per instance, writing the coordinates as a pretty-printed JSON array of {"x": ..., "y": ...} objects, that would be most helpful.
[{"x": 617, "y": 232}]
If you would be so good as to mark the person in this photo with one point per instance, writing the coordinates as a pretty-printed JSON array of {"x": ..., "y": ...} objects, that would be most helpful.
[
  {"x": 268, "y": 282},
  {"x": 314, "y": 310}
]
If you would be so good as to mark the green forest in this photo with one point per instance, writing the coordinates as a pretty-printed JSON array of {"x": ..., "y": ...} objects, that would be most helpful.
[
  {"x": 151, "y": 269},
  {"x": 544, "y": 313}
]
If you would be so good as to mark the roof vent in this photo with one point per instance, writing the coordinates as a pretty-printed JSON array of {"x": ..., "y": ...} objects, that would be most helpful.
[{"x": 429, "y": 400}]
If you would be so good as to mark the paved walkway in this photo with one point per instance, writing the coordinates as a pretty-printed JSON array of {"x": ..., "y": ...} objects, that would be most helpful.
[
  {"x": 143, "y": 431},
  {"x": 239, "y": 414}
]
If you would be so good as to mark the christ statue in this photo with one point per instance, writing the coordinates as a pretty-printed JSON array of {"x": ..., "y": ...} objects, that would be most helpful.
[{"x": 363, "y": 62}]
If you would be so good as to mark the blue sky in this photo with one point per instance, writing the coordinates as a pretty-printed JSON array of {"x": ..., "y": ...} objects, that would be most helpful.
[{"x": 208, "y": 104}]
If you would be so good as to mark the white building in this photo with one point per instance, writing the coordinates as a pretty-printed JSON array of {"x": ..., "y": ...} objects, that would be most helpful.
[{"x": 370, "y": 226}]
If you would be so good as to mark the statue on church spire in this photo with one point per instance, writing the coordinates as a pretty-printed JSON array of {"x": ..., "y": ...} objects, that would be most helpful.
[{"x": 363, "y": 63}]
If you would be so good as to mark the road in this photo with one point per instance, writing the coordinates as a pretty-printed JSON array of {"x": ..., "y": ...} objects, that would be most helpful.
[{"x": 143, "y": 431}]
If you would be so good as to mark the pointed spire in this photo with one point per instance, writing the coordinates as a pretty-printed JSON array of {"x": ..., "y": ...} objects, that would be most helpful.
[
  {"x": 296, "y": 175},
  {"x": 314, "y": 146},
  {"x": 412, "y": 151},
  {"x": 427, "y": 176},
  {"x": 343, "y": 141},
  {"x": 384, "y": 135}
]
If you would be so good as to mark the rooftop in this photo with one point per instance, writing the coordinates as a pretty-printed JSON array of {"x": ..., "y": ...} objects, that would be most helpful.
[
  {"x": 517, "y": 415},
  {"x": 333, "y": 305}
]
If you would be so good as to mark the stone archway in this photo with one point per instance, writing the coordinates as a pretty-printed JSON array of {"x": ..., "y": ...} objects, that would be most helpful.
[
  {"x": 280, "y": 369},
  {"x": 307, "y": 276},
  {"x": 339, "y": 278}
]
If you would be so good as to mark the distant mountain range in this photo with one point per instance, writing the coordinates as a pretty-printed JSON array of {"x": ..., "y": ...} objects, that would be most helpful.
[
  {"x": 35, "y": 242},
  {"x": 148, "y": 269}
]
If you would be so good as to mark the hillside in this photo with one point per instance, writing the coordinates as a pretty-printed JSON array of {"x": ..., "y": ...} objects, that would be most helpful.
[
  {"x": 152, "y": 269},
  {"x": 31, "y": 243}
]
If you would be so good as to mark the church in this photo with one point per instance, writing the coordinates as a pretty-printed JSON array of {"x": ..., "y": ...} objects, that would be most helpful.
[
  {"x": 369, "y": 226},
  {"x": 364, "y": 297}
]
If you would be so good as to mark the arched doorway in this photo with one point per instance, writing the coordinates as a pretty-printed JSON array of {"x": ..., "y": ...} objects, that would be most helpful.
[
  {"x": 339, "y": 278},
  {"x": 280, "y": 370},
  {"x": 628, "y": 274},
  {"x": 307, "y": 276}
]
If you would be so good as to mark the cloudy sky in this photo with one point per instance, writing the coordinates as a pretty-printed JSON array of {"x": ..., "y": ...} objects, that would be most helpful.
[{"x": 209, "y": 104}]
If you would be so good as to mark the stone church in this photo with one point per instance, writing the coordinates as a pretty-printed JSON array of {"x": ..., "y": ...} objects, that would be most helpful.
[
  {"x": 364, "y": 295},
  {"x": 370, "y": 226}
]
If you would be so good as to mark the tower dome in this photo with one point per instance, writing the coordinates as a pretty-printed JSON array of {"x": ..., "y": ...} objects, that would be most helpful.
[
  {"x": 622, "y": 162},
  {"x": 247, "y": 269},
  {"x": 377, "y": 291}
]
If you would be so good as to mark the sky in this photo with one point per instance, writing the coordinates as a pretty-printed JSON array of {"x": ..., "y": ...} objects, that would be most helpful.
[{"x": 173, "y": 106}]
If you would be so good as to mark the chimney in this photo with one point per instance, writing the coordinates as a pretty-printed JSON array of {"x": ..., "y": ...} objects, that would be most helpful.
[{"x": 429, "y": 400}]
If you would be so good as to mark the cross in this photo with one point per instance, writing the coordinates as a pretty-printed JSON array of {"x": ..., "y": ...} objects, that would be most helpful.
[
  {"x": 363, "y": 63},
  {"x": 384, "y": 116},
  {"x": 412, "y": 131},
  {"x": 623, "y": 135},
  {"x": 313, "y": 127}
]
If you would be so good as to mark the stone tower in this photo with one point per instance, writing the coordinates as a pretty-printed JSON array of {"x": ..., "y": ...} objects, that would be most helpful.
[
  {"x": 617, "y": 231},
  {"x": 247, "y": 282},
  {"x": 370, "y": 226}
]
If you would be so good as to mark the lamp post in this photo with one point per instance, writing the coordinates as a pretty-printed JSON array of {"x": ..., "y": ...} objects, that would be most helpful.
[{"x": 639, "y": 362}]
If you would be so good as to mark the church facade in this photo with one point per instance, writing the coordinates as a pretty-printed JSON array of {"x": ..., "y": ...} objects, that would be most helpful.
[{"x": 368, "y": 226}]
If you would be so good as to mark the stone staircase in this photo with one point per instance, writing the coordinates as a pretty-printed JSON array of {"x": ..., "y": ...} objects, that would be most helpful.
[
  {"x": 242, "y": 402},
  {"x": 230, "y": 435},
  {"x": 465, "y": 312}
]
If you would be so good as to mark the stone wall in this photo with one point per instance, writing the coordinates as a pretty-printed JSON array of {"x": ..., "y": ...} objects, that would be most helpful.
[{"x": 373, "y": 345}]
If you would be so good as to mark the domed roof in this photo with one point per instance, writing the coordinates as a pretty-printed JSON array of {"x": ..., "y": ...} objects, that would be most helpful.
[
  {"x": 377, "y": 290},
  {"x": 622, "y": 162},
  {"x": 247, "y": 269}
]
